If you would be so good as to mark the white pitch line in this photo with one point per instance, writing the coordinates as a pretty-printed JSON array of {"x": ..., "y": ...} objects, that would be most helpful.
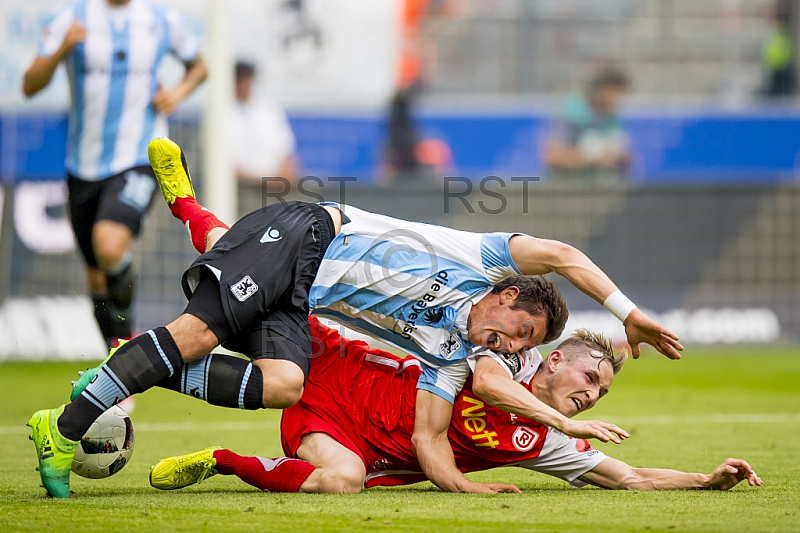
[{"x": 749, "y": 418}]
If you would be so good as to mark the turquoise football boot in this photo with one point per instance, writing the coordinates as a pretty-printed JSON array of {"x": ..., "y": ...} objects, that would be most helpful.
[{"x": 89, "y": 374}]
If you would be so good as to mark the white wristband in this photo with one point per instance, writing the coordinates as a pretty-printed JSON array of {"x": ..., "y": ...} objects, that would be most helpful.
[{"x": 619, "y": 305}]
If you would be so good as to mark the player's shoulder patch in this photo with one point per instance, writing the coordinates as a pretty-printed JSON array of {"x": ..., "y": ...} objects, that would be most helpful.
[{"x": 512, "y": 361}]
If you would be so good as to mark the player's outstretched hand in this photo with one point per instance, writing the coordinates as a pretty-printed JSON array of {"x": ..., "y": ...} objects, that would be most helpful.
[
  {"x": 641, "y": 328},
  {"x": 595, "y": 429},
  {"x": 730, "y": 473},
  {"x": 490, "y": 488}
]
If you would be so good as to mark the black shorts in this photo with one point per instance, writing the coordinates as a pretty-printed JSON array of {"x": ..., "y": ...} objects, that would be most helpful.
[
  {"x": 251, "y": 288},
  {"x": 122, "y": 198}
]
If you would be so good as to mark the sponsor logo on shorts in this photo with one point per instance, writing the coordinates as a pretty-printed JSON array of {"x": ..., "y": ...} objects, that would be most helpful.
[
  {"x": 244, "y": 288},
  {"x": 583, "y": 446},
  {"x": 271, "y": 235},
  {"x": 524, "y": 438}
]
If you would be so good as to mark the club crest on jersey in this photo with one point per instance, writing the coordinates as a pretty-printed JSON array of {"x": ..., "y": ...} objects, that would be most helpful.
[
  {"x": 449, "y": 347},
  {"x": 512, "y": 361},
  {"x": 244, "y": 288},
  {"x": 524, "y": 438}
]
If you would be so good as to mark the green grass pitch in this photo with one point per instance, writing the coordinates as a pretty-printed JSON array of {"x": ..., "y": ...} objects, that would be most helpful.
[{"x": 689, "y": 415}]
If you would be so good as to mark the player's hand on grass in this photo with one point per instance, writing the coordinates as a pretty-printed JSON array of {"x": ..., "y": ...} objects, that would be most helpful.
[
  {"x": 490, "y": 488},
  {"x": 594, "y": 429},
  {"x": 730, "y": 473},
  {"x": 641, "y": 328}
]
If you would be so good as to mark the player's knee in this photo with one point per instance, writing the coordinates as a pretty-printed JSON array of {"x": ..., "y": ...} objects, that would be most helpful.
[
  {"x": 110, "y": 241},
  {"x": 342, "y": 482},
  {"x": 281, "y": 392},
  {"x": 108, "y": 254},
  {"x": 351, "y": 486},
  {"x": 192, "y": 336},
  {"x": 282, "y": 398},
  {"x": 283, "y": 382},
  {"x": 353, "y": 483},
  {"x": 206, "y": 339}
]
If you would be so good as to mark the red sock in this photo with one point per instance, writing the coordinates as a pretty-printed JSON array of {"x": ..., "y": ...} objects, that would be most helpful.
[
  {"x": 199, "y": 220},
  {"x": 275, "y": 475}
]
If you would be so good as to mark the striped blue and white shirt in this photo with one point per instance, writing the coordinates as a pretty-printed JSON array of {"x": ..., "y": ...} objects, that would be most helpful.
[
  {"x": 412, "y": 285},
  {"x": 113, "y": 77}
]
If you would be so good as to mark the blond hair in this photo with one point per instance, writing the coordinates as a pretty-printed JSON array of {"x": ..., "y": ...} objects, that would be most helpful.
[{"x": 580, "y": 339}]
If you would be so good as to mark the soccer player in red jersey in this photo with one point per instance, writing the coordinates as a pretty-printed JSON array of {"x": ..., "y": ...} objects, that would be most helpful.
[{"x": 353, "y": 427}]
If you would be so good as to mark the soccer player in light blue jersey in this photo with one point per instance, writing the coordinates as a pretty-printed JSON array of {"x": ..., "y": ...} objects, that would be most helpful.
[
  {"x": 444, "y": 295},
  {"x": 112, "y": 50},
  {"x": 455, "y": 300}
]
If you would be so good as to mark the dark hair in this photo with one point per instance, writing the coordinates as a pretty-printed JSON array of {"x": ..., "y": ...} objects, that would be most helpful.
[
  {"x": 245, "y": 69},
  {"x": 609, "y": 77},
  {"x": 538, "y": 296}
]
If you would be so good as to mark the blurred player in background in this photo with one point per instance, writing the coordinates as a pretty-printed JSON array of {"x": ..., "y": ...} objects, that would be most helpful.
[
  {"x": 112, "y": 50},
  {"x": 587, "y": 142},
  {"x": 353, "y": 426},
  {"x": 263, "y": 141}
]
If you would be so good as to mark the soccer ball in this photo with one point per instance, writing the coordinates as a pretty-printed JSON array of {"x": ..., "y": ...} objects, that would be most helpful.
[{"x": 106, "y": 447}]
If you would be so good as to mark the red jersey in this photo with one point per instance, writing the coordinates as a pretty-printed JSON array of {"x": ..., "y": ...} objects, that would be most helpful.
[{"x": 364, "y": 398}]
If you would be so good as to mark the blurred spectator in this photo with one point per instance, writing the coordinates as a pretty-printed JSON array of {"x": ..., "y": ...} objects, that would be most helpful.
[
  {"x": 777, "y": 51},
  {"x": 403, "y": 136},
  {"x": 112, "y": 50},
  {"x": 264, "y": 145},
  {"x": 402, "y": 158},
  {"x": 587, "y": 141}
]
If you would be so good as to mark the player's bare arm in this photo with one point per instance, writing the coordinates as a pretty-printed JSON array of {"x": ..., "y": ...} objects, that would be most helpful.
[
  {"x": 615, "y": 474},
  {"x": 491, "y": 382},
  {"x": 166, "y": 100},
  {"x": 542, "y": 256},
  {"x": 429, "y": 443},
  {"x": 41, "y": 71}
]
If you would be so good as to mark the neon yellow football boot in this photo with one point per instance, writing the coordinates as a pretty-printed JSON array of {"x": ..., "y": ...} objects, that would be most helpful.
[
  {"x": 184, "y": 470},
  {"x": 170, "y": 168},
  {"x": 55, "y": 452}
]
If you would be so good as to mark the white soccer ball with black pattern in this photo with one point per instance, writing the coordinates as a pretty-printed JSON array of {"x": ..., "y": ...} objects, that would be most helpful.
[{"x": 106, "y": 447}]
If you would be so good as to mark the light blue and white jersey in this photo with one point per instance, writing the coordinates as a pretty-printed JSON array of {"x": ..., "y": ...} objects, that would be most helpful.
[
  {"x": 412, "y": 285},
  {"x": 113, "y": 77}
]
